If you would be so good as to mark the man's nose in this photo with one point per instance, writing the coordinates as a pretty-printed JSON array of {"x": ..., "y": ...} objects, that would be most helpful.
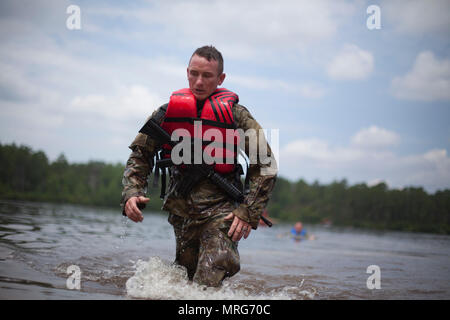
[{"x": 199, "y": 80}]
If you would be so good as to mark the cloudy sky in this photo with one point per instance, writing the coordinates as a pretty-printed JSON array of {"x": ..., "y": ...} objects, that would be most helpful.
[{"x": 367, "y": 105}]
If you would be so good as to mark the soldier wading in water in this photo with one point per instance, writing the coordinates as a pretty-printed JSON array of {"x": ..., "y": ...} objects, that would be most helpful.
[{"x": 208, "y": 223}]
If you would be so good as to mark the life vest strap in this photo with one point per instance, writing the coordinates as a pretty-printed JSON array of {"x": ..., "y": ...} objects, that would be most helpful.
[{"x": 203, "y": 121}]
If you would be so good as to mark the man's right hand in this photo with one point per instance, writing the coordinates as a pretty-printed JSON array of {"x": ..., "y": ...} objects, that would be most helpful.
[{"x": 131, "y": 208}]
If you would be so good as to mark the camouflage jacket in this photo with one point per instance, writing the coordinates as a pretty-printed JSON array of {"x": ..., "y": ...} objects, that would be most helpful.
[{"x": 205, "y": 199}]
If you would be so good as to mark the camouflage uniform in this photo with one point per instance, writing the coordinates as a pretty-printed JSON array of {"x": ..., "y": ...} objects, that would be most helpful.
[{"x": 202, "y": 243}]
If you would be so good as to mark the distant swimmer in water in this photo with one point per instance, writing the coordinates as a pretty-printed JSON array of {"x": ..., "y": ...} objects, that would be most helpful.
[{"x": 299, "y": 233}]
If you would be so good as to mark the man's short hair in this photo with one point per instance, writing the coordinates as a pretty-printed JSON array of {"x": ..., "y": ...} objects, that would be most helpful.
[{"x": 210, "y": 53}]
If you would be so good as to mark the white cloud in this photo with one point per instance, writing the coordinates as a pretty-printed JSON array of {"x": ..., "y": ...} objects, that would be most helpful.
[
  {"x": 17, "y": 87},
  {"x": 320, "y": 152},
  {"x": 429, "y": 80},
  {"x": 376, "y": 181},
  {"x": 91, "y": 126},
  {"x": 415, "y": 17},
  {"x": 134, "y": 103},
  {"x": 307, "y": 90},
  {"x": 351, "y": 63},
  {"x": 314, "y": 158},
  {"x": 375, "y": 137},
  {"x": 245, "y": 26},
  {"x": 312, "y": 91}
]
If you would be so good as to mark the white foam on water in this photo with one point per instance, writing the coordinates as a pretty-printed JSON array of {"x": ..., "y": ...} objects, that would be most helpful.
[{"x": 156, "y": 279}]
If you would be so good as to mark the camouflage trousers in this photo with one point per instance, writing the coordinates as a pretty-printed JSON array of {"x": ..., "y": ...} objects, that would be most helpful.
[{"x": 204, "y": 248}]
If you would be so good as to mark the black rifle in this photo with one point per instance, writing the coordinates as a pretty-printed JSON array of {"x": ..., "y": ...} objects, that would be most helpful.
[{"x": 153, "y": 129}]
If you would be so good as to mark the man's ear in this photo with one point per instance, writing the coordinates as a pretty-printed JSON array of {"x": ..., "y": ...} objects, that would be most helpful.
[{"x": 221, "y": 78}]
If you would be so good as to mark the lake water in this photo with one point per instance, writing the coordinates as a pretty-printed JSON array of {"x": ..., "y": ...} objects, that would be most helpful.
[{"x": 119, "y": 259}]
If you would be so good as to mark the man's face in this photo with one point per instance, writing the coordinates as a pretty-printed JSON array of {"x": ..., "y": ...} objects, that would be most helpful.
[{"x": 203, "y": 76}]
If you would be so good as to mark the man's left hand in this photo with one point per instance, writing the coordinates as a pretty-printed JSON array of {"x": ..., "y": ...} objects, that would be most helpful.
[{"x": 238, "y": 228}]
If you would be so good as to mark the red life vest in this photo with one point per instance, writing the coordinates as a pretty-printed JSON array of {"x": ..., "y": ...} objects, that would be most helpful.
[{"x": 216, "y": 114}]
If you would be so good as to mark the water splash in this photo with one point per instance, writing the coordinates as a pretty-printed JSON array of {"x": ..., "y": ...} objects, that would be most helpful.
[
  {"x": 124, "y": 232},
  {"x": 156, "y": 279}
]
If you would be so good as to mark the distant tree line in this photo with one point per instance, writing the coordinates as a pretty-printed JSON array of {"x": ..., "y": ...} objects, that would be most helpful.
[
  {"x": 375, "y": 207},
  {"x": 29, "y": 175}
]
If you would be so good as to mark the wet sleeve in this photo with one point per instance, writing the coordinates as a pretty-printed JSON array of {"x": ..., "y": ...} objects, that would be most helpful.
[
  {"x": 138, "y": 167},
  {"x": 262, "y": 170}
]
